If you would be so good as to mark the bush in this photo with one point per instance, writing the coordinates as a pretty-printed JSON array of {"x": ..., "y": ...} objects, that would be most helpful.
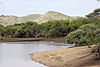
[{"x": 85, "y": 35}]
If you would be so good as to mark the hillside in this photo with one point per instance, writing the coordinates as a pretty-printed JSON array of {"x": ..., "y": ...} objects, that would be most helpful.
[
  {"x": 10, "y": 20},
  {"x": 51, "y": 15}
]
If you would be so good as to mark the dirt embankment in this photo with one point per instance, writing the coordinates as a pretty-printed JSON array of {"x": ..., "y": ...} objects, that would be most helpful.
[
  {"x": 67, "y": 57},
  {"x": 62, "y": 39}
]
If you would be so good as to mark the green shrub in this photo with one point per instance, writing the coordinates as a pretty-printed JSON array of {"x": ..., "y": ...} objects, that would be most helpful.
[{"x": 85, "y": 35}]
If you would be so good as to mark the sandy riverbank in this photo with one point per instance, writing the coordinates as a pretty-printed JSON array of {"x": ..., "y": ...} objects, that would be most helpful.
[{"x": 67, "y": 57}]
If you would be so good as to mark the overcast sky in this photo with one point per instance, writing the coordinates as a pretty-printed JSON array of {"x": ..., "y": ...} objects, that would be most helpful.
[{"x": 69, "y": 7}]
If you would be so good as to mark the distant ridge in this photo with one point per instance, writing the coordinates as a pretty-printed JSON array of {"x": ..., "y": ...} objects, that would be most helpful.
[{"x": 50, "y": 15}]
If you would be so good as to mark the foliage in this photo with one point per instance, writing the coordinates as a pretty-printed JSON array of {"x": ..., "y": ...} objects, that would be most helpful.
[
  {"x": 2, "y": 30},
  {"x": 85, "y": 35},
  {"x": 29, "y": 29},
  {"x": 59, "y": 28},
  {"x": 94, "y": 16},
  {"x": 75, "y": 24},
  {"x": 55, "y": 28},
  {"x": 95, "y": 13},
  {"x": 89, "y": 33},
  {"x": 10, "y": 31}
]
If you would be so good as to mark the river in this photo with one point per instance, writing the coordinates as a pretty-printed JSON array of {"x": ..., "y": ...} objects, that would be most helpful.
[{"x": 18, "y": 54}]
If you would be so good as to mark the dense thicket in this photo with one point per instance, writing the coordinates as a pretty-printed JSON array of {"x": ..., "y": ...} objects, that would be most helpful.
[{"x": 56, "y": 28}]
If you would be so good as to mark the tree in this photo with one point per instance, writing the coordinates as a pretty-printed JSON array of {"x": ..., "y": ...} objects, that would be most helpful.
[
  {"x": 2, "y": 30},
  {"x": 85, "y": 35},
  {"x": 29, "y": 29},
  {"x": 60, "y": 28},
  {"x": 95, "y": 13},
  {"x": 75, "y": 24},
  {"x": 56, "y": 28},
  {"x": 10, "y": 31},
  {"x": 45, "y": 28},
  {"x": 94, "y": 16},
  {"x": 36, "y": 30}
]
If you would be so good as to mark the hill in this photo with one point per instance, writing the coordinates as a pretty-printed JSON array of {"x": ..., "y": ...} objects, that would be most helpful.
[{"x": 50, "y": 15}]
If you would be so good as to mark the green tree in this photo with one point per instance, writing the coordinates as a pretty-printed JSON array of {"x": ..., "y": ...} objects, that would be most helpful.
[
  {"x": 75, "y": 24},
  {"x": 2, "y": 30},
  {"x": 29, "y": 29},
  {"x": 10, "y": 31},
  {"x": 94, "y": 16},
  {"x": 45, "y": 28},
  {"x": 85, "y": 35}
]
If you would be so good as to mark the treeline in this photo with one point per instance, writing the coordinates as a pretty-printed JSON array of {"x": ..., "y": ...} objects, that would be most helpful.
[{"x": 56, "y": 28}]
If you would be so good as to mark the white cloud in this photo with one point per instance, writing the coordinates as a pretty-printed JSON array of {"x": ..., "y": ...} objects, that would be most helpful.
[
  {"x": 71, "y": 7},
  {"x": 1, "y": 2}
]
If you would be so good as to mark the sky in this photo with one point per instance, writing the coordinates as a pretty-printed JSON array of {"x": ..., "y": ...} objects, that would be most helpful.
[{"x": 68, "y": 7}]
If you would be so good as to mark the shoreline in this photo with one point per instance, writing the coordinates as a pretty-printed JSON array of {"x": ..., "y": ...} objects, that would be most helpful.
[
  {"x": 61, "y": 39},
  {"x": 66, "y": 57}
]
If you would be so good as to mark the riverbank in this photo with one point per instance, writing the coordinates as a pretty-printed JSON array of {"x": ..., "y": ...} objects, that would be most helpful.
[
  {"x": 62, "y": 39},
  {"x": 67, "y": 57}
]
